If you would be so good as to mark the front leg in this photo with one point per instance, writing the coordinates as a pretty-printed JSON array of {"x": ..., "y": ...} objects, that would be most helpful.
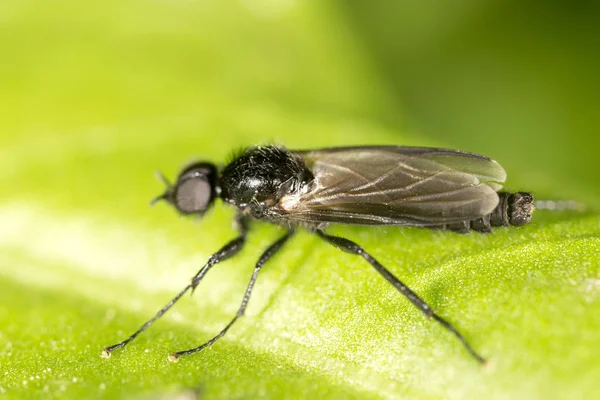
[{"x": 229, "y": 250}]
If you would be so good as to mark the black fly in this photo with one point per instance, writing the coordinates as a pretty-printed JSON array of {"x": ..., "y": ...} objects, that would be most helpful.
[{"x": 378, "y": 185}]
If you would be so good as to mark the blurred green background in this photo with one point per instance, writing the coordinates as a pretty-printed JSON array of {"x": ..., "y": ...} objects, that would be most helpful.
[{"x": 95, "y": 96}]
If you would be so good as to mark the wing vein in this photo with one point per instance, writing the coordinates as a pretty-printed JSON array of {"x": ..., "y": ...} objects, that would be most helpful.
[{"x": 395, "y": 185}]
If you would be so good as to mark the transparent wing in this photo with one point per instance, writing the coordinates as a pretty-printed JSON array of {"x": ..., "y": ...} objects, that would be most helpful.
[{"x": 395, "y": 185}]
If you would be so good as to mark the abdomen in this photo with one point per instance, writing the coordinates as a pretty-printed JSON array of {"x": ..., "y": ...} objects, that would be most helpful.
[{"x": 513, "y": 209}]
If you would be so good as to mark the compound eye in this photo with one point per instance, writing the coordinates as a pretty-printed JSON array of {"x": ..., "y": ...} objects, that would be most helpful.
[{"x": 193, "y": 193}]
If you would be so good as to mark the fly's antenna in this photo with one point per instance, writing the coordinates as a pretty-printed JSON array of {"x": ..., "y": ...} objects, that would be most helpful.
[
  {"x": 161, "y": 177},
  {"x": 155, "y": 200},
  {"x": 559, "y": 205}
]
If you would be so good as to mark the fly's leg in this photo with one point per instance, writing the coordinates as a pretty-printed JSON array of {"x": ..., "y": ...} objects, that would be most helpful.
[
  {"x": 350, "y": 247},
  {"x": 227, "y": 251},
  {"x": 270, "y": 252}
]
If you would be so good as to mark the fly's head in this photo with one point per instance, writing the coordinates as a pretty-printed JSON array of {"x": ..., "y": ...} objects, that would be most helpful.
[
  {"x": 194, "y": 191},
  {"x": 520, "y": 208}
]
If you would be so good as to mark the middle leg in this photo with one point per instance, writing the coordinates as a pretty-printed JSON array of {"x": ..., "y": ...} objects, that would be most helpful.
[{"x": 270, "y": 252}]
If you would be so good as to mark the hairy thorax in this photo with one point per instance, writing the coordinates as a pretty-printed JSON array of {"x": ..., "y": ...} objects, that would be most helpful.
[{"x": 256, "y": 180}]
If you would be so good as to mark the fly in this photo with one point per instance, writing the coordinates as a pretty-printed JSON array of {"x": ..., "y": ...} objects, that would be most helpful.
[{"x": 367, "y": 185}]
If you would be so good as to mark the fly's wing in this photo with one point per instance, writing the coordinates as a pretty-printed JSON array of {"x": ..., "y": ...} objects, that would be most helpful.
[{"x": 413, "y": 186}]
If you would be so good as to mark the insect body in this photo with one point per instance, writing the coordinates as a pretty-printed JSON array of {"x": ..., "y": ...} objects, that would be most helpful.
[{"x": 377, "y": 185}]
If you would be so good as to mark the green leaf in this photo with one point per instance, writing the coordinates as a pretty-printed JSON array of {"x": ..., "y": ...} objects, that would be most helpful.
[{"x": 100, "y": 96}]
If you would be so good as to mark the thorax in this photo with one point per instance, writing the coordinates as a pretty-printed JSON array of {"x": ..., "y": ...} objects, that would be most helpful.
[{"x": 256, "y": 180}]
